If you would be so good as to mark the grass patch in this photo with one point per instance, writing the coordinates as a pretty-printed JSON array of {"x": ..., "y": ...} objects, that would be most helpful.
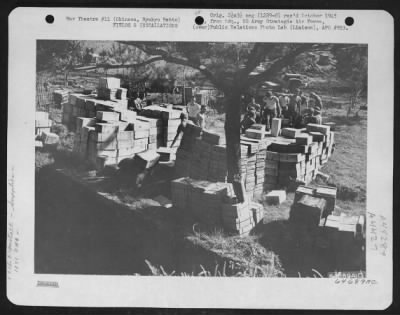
[
  {"x": 347, "y": 166},
  {"x": 244, "y": 255}
]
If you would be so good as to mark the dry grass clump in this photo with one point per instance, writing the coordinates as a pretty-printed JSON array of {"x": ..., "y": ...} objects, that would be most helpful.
[{"x": 239, "y": 256}]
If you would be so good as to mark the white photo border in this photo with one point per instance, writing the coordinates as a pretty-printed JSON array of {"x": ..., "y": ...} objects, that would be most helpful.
[{"x": 26, "y": 25}]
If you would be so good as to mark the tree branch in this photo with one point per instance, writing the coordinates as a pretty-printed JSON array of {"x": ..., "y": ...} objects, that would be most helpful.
[
  {"x": 259, "y": 51},
  {"x": 119, "y": 66},
  {"x": 168, "y": 57},
  {"x": 277, "y": 65}
]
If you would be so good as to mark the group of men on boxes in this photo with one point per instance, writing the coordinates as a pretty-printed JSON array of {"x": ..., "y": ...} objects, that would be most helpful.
[{"x": 297, "y": 109}]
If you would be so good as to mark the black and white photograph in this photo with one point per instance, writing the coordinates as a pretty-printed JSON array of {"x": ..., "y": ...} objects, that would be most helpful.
[{"x": 200, "y": 159}]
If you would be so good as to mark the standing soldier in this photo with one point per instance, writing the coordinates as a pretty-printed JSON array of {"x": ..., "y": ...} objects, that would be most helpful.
[
  {"x": 271, "y": 109},
  {"x": 256, "y": 107},
  {"x": 294, "y": 106},
  {"x": 201, "y": 117},
  {"x": 283, "y": 102},
  {"x": 249, "y": 120},
  {"x": 317, "y": 101},
  {"x": 181, "y": 127},
  {"x": 304, "y": 100},
  {"x": 316, "y": 117},
  {"x": 138, "y": 104},
  {"x": 193, "y": 109}
]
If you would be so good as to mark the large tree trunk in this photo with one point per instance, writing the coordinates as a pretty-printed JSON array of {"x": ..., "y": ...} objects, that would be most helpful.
[{"x": 232, "y": 134}]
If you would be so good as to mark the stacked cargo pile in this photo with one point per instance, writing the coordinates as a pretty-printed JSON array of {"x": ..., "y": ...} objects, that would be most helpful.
[
  {"x": 297, "y": 155},
  {"x": 201, "y": 156},
  {"x": 107, "y": 140},
  {"x": 318, "y": 227},
  {"x": 184, "y": 154},
  {"x": 169, "y": 120},
  {"x": 261, "y": 155},
  {"x": 106, "y": 131},
  {"x": 155, "y": 125},
  {"x": 342, "y": 238},
  {"x": 313, "y": 204},
  {"x": 61, "y": 97},
  {"x": 109, "y": 89},
  {"x": 200, "y": 159},
  {"x": 81, "y": 139},
  {"x": 166, "y": 154},
  {"x": 253, "y": 155},
  {"x": 266, "y": 162},
  {"x": 42, "y": 123},
  {"x": 348, "y": 228},
  {"x": 121, "y": 94},
  {"x": 241, "y": 218},
  {"x": 217, "y": 165},
  {"x": 81, "y": 105},
  {"x": 201, "y": 199},
  {"x": 213, "y": 204}
]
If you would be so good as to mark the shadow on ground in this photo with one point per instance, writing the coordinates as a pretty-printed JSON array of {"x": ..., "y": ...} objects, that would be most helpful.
[
  {"x": 308, "y": 252},
  {"x": 80, "y": 232},
  {"x": 75, "y": 233}
]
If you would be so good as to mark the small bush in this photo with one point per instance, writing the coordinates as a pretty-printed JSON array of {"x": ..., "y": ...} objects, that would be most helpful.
[
  {"x": 43, "y": 159},
  {"x": 346, "y": 193},
  {"x": 60, "y": 129}
]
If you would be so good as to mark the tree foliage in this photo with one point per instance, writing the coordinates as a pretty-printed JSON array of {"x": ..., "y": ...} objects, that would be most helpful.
[
  {"x": 58, "y": 54},
  {"x": 352, "y": 66}
]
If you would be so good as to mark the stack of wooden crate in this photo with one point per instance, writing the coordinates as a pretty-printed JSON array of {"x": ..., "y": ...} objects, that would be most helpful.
[
  {"x": 169, "y": 120},
  {"x": 343, "y": 238},
  {"x": 217, "y": 169},
  {"x": 313, "y": 203},
  {"x": 61, "y": 96},
  {"x": 214, "y": 205},
  {"x": 350, "y": 227},
  {"x": 200, "y": 155},
  {"x": 111, "y": 97},
  {"x": 154, "y": 126},
  {"x": 107, "y": 88},
  {"x": 106, "y": 140},
  {"x": 42, "y": 123},
  {"x": 82, "y": 134},
  {"x": 200, "y": 159},
  {"x": 201, "y": 199},
  {"x": 241, "y": 218},
  {"x": 297, "y": 155}
]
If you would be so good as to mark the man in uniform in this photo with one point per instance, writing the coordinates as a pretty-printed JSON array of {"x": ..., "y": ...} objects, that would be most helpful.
[
  {"x": 317, "y": 101},
  {"x": 193, "y": 109},
  {"x": 248, "y": 120},
  {"x": 138, "y": 104},
  {"x": 181, "y": 127},
  {"x": 201, "y": 117},
  {"x": 316, "y": 118},
  {"x": 256, "y": 107},
  {"x": 294, "y": 106},
  {"x": 271, "y": 109}
]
